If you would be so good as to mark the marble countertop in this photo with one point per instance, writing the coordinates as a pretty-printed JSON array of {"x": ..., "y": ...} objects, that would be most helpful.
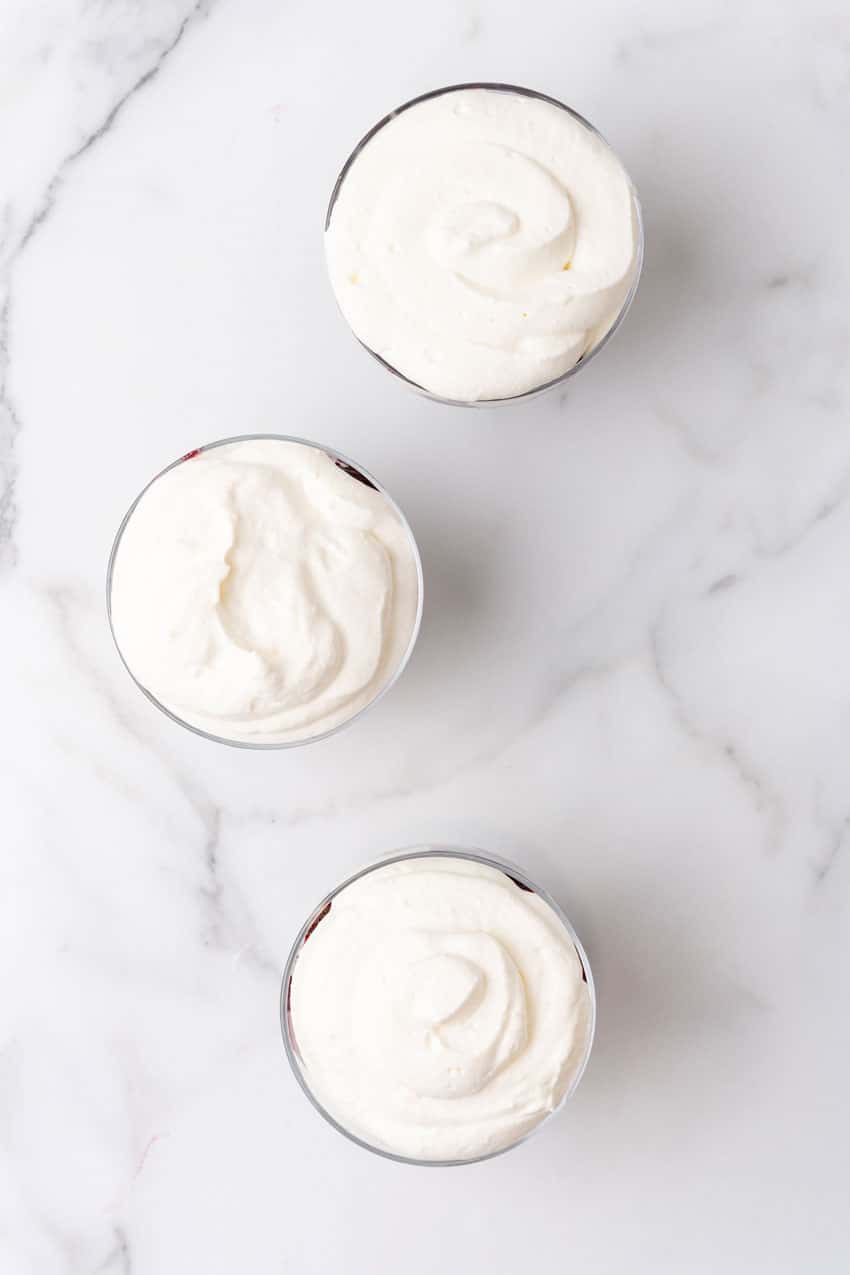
[{"x": 633, "y": 673}]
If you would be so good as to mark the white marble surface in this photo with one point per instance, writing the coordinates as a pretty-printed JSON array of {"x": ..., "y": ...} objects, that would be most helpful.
[{"x": 633, "y": 673}]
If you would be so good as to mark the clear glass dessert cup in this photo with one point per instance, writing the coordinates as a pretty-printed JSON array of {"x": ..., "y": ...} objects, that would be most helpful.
[
  {"x": 523, "y": 882},
  {"x": 355, "y": 471},
  {"x": 624, "y": 309}
]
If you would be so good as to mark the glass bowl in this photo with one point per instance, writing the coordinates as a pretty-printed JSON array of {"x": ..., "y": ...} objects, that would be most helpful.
[
  {"x": 585, "y": 358},
  {"x": 520, "y": 879},
  {"x": 355, "y": 471}
]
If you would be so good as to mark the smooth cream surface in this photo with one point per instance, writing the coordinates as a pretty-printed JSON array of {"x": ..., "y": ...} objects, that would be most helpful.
[
  {"x": 440, "y": 1011},
  {"x": 482, "y": 242},
  {"x": 261, "y": 593}
]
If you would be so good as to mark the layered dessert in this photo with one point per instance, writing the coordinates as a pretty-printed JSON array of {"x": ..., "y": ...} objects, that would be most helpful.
[
  {"x": 439, "y": 1009},
  {"x": 482, "y": 242},
  {"x": 263, "y": 591}
]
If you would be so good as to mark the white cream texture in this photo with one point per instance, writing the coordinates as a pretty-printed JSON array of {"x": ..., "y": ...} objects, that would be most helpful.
[
  {"x": 440, "y": 1011},
  {"x": 482, "y": 242},
  {"x": 261, "y": 593}
]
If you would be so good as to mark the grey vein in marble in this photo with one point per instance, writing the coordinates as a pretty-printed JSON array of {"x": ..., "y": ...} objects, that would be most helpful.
[
  {"x": 11, "y": 246},
  {"x": 724, "y": 751}
]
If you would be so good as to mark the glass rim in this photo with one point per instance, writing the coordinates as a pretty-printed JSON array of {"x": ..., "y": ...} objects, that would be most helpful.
[
  {"x": 536, "y": 390},
  {"x": 346, "y": 463},
  {"x": 430, "y": 851}
]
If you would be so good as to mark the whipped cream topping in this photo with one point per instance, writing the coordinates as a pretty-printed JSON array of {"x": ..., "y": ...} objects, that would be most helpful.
[
  {"x": 440, "y": 1010},
  {"x": 482, "y": 242},
  {"x": 262, "y": 593}
]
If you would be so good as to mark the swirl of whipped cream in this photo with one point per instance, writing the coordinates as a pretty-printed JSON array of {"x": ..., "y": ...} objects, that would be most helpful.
[
  {"x": 482, "y": 242},
  {"x": 259, "y": 591},
  {"x": 460, "y": 995},
  {"x": 440, "y": 1010}
]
